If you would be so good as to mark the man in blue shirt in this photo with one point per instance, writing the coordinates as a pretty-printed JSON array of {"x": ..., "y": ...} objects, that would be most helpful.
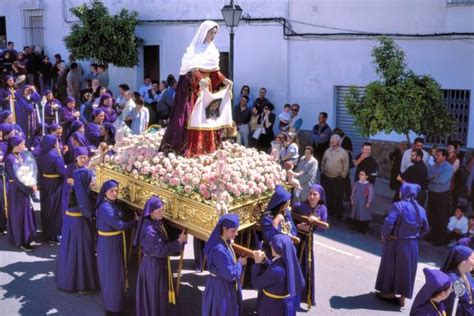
[{"x": 439, "y": 177}]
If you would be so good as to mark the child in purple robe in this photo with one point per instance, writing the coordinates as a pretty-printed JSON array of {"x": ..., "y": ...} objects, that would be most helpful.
[
  {"x": 429, "y": 300},
  {"x": 51, "y": 172},
  {"x": 111, "y": 247},
  {"x": 314, "y": 208},
  {"x": 76, "y": 265},
  {"x": 458, "y": 265},
  {"x": 223, "y": 293},
  {"x": 154, "y": 274},
  {"x": 21, "y": 220},
  {"x": 279, "y": 280},
  {"x": 404, "y": 225}
]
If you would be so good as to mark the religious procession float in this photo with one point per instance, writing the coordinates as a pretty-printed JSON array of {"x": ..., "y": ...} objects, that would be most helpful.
[{"x": 195, "y": 191}]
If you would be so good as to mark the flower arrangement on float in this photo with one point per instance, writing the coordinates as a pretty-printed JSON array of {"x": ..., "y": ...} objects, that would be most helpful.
[{"x": 229, "y": 174}]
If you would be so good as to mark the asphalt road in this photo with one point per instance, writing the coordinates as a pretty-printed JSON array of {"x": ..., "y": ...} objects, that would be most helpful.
[{"x": 346, "y": 268}]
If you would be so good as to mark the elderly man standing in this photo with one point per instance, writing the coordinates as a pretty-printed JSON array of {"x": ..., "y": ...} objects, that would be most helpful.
[
  {"x": 309, "y": 165},
  {"x": 334, "y": 170},
  {"x": 439, "y": 177}
]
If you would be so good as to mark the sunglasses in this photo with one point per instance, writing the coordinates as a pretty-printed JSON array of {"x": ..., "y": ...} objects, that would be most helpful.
[{"x": 294, "y": 110}]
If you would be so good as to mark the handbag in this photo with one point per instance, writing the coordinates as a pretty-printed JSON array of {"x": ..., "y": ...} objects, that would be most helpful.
[{"x": 258, "y": 131}]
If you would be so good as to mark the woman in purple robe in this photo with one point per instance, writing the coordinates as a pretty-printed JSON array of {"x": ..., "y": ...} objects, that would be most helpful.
[
  {"x": 223, "y": 293},
  {"x": 27, "y": 115},
  {"x": 95, "y": 131},
  {"x": 429, "y": 300},
  {"x": 459, "y": 265},
  {"x": 5, "y": 129},
  {"x": 111, "y": 247},
  {"x": 277, "y": 218},
  {"x": 67, "y": 115},
  {"x": 315, "y": 209},
  {"x": 51, "y": 108},
  {"x": 51, "y": 173},
  {"x": 21, "y": 220},
  {"x": 8, "y": 92},
  {"x": 404, "y": 225},
  {"x": 75, "y": 138},
  {"x": 8, "y": 118},
  {"x": 76, "y": 269},
  {"x": 154, "y": 274},
  {"x": 280, "y": 280},
  {"x": 106, "y": 103}
]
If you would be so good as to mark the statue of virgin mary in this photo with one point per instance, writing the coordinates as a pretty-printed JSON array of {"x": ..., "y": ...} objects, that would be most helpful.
[{"x": 191, "y": 131}]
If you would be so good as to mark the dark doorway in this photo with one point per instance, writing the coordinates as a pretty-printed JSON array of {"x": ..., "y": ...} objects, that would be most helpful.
[
  {"x": 224, "y": 63},
  {"x": 151, "y": 65},
  {"x": 3, "y": 32}
]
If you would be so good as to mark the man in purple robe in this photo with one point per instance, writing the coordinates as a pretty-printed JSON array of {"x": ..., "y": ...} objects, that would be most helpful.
[
  {"x": 5, "y": 129},
  {"x": 8, "y": 93},
  {"x": 404, "y": 225},
  {"x": 21, "y": 221},
  {"x": 154, "y": 275},
  {"x": 67, "y": 115},
  {"x": 111, "y": 247},
  {"x": 27, "y": 115},
  {"x": 223, "y": 293},
  {"x": 51, "y": 172},
  {"x": 76, "y": 265},
  {"x": 51, "y": 108},
  {"x": 280, "y": 280}
]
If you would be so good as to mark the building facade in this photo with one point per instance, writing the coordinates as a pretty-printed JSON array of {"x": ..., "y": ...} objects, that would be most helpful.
[{"x": 303, "y": 51}]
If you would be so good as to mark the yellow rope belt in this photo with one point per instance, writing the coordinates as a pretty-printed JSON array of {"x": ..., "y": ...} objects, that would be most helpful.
[
  {"x": 73, "y": 214},
  {"x": 11, "y": 180},
  {"x": 116, "y": 233},
  {"x": 171, "y": 294},
  {"x": 275, "y": 296},
  {"x": 50, "y": 176}
]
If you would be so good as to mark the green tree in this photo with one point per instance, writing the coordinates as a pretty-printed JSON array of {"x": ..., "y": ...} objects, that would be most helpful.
[
  {"x": 105, "y": 38},
  {"x": 400, "y": 101}
]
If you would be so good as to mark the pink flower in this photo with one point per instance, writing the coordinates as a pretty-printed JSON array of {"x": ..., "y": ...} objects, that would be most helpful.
[{"x": 187, "y": 189}]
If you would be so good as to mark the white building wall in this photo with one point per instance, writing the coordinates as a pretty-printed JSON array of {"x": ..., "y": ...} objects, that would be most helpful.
[{"x": 295, "y": 70}]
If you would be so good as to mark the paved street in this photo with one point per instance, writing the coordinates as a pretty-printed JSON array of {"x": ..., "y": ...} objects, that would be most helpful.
[{"x": 346, "y": 270}]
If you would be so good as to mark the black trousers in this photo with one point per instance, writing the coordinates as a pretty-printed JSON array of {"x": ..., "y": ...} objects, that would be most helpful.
[
  {"x": 334, "y": 188},
  {"x": 439, "y": 211}
]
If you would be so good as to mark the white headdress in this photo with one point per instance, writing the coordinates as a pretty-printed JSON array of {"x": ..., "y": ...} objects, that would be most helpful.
[{"x": 200, "y": 55}]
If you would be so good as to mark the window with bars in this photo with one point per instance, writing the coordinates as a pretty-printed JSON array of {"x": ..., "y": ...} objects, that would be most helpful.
[
  {"x": 457, "y": 102},
  {"x": 33, "y": 28}
]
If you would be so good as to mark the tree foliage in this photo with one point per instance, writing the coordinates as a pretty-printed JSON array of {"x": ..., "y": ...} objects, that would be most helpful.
[
  {"x": 109, "y": 39},
  {"x": 401, "y": 101}
]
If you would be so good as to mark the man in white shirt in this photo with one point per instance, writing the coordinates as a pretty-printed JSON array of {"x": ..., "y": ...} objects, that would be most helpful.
[
  {"x": 145, "y": 86},
  {"x": 406, "y": 158},
  {"x": 140, "y": 116}
]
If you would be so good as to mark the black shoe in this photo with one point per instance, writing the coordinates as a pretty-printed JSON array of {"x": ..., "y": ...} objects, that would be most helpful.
[
  {"x": 54, "y": 242},
  {"x": 27, "y": 247}
]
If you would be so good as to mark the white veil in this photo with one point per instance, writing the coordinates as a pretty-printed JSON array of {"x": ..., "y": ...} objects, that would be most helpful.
[{"x": 200, "y": 55}]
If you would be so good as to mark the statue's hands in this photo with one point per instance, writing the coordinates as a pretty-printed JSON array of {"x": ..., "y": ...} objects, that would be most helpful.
[
  {"x": 203, "y": 83},
  {"x": 228, "y": 82}
]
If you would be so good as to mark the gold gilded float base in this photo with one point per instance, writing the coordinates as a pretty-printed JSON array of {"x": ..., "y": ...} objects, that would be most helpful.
[{"x": 199, "y": 218}]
